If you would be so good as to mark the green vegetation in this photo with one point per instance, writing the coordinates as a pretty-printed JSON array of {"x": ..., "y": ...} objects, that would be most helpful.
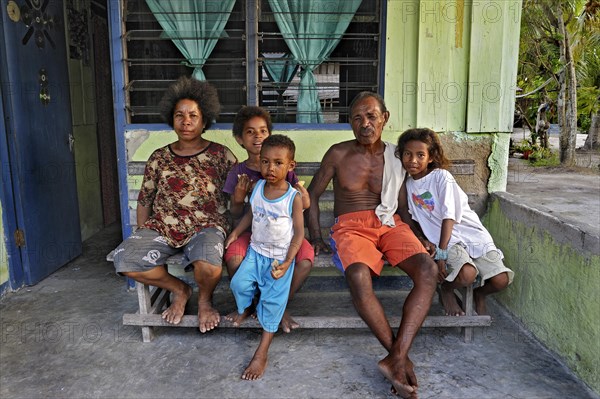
[
  {"x": 544, "y": 157},
  {"x": 559, "y": 65}
]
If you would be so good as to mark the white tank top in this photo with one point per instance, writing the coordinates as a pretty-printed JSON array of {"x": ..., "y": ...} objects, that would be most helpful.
[{"x": 272, "y": 225}]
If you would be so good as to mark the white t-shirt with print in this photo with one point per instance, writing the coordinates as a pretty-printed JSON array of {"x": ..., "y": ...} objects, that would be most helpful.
[{"x": 436, "y": 197}]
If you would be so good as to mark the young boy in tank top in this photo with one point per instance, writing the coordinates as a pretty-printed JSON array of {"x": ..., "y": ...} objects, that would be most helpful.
[{"x": 277, "y": 233}]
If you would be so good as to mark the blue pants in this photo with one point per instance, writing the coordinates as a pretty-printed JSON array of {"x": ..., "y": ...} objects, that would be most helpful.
[{"x": 253, "y": 275}]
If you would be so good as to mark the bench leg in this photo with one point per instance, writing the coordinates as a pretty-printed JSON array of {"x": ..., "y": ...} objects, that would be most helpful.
[
  {"x": 151, "y": 301},
  {"x": 469, "y": 311},
  {"x": 147, "y": 334},
  {"x": 145, "y": 304}
]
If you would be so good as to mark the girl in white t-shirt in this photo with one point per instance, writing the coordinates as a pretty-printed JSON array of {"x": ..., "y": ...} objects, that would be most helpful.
[{"x": 464, "y": 250}]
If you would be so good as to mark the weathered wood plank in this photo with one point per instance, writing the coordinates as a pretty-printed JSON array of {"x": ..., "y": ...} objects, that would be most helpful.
[
  {"x": 492, "y": 78},
  {"x": 317, "y": 322},
  {"x": 401, "y": 64},
  {"x": 442, "y": 86}
]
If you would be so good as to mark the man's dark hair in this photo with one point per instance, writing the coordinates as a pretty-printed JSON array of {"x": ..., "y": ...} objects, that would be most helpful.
[
  {"x": 186, "y": 88},
  {"x": 247, "y": 113},
  {"x": 279, "y": 140},
  {"x": 366, "y": 94}
]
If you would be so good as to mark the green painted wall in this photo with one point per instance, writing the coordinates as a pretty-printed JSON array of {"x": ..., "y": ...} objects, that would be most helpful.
[
  {"x": 498, "y": 162},
  {"x": 311, "y": 145},
  {"x": 494, "y": 51},
  {"x": 555, "y": 292},
  {"x": 451, "y": 65}
]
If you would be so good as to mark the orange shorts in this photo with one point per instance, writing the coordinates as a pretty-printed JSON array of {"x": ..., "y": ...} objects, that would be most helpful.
[{"x": 360, "y": 237}]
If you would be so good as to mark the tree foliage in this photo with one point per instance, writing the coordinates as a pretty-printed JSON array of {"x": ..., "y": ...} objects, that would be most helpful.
[{"x": 559, "y": 64}]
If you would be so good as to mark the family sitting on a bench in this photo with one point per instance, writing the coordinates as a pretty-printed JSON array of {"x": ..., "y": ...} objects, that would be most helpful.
[{"x": 421, "y": 224}]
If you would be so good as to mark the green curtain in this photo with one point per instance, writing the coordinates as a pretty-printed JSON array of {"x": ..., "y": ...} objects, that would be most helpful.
[
  {"x": 183, "y": 19},
  {"x": 280, "y": 67},
  {"x": 312, "y": 29}
]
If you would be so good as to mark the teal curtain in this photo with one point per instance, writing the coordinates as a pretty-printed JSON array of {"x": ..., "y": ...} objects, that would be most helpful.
[
  {"x": 312, "y": 29},
  {"x": 183, "y": 19},
  {"x": 280, "y": 68}
]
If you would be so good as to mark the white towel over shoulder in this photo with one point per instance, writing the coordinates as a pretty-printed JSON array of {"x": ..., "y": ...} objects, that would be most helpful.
[{"x": 393, "y": 175}]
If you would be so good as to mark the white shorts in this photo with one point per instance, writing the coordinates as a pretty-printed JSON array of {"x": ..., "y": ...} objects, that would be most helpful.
[{"x": 487, "y": 266}]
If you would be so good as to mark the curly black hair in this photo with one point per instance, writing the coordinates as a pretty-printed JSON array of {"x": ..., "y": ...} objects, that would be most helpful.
[
  {"x": 186, "y": 88},
  {"x": 279, "y": 140},
  {"x": 434, "y": 146},
  {"x": 247, "y": 113}
]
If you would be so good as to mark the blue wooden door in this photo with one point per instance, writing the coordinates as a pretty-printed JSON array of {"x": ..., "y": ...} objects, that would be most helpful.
[{"x": 36, "y": 101}]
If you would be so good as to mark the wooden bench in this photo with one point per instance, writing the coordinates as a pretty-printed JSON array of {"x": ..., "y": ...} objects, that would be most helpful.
[{"x": 152, "y": 300}]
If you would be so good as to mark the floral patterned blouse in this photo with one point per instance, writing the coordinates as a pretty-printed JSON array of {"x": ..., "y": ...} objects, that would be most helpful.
[{"x": 186, "y": 192}]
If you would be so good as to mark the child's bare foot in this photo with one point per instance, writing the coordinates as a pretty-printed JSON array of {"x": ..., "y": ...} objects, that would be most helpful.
[
  {"x": 208, "y": 317},
  {"x": 401, "y": 375},
  {"x": 287, "y": 323},
  {"x": 174, "y": 313},
  {"x": 256, "y": 368},
  {"x": 479, "y": 302},
  {"x": 236, "y": 318},
  {"x": 448, "y": 298}
]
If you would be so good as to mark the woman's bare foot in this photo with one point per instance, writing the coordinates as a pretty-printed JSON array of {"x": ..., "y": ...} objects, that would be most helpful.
[
  {"x": 236, "y": 318},
  {"x": 208, "y": 317},
  {"x": 401, "y": 375},
  {"x": 174, "y": 313},
  {"x": 256, "y": 368},
  {"x": 448, "y": 298},
  {"x": 287, "y": 323},
  {"x": 479, "y": 302}
]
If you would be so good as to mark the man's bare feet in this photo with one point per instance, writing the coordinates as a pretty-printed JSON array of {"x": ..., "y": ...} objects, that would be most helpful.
[
  {"x": 174, "y": 313},
  {"x": 479, "y": 302},
  {"x": 256, "y": 368},
  {"x": 287, "y": 323},
  {"x": 208, "y": 317},
  {"x": 401, "y": 375},
  {"x": 237, "y": 319},
  {"x": 448, "y": 298}
]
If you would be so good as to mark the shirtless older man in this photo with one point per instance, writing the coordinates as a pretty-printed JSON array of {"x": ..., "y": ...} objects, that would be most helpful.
[{"x": 366, "y": 192}]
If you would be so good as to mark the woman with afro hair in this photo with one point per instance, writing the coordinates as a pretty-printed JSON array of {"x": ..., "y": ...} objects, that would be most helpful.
[{"x": 181, "y": 205}]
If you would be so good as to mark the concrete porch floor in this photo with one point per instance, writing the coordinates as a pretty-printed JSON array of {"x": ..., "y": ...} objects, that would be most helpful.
[{"x": 63, "y": 338}]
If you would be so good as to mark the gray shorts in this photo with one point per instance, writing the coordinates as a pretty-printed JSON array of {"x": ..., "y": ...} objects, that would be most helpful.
[
  {"x": 487, "y": 266},
  {"x": 145, "y": 249}
]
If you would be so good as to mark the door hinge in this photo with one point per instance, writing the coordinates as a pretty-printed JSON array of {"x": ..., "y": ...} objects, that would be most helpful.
[{"x": 19, "y": 238}]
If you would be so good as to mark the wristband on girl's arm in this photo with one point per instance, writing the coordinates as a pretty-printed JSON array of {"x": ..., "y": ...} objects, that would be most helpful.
[{"x": 441, "y": 254}]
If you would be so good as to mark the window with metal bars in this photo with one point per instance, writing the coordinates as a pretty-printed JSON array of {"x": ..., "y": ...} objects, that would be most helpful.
[{"x": 251, "y": 63}]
